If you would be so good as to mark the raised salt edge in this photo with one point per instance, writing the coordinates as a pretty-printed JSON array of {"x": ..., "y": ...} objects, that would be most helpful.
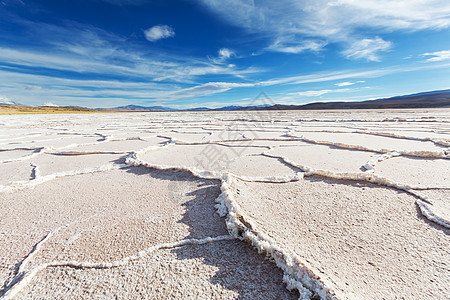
[
  {"x": 261, "y": 244},
  {"x": 298, "y": 272}
]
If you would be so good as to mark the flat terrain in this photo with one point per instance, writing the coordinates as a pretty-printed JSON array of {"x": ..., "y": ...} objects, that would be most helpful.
[
  {"x": 21, "y": 109},
  {"x": 226, "y": 205}
]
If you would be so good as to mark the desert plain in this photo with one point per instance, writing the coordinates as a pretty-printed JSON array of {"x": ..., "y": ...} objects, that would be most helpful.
[{"x": 226, "y": 205}]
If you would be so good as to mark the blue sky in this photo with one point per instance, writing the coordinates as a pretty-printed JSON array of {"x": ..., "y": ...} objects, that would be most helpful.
[{"x": 107, "y": 53}]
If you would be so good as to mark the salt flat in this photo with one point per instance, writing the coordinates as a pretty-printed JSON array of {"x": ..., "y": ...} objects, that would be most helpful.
[{"x": 226, "y": 205}]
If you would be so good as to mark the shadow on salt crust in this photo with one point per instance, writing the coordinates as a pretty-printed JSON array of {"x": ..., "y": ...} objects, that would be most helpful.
[
  {"x": 134, "y": 212},
  {"x": 223, "y": 270}
]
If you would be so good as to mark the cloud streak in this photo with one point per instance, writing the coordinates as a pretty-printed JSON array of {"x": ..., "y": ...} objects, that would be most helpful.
[
  {"x": 438, "y": 56},
  {"x": 367, "y": 49},
  {"x": 281, "y": 45},
  {"x": 319, "y": 92},
  {"x": 347, "y": 83}
]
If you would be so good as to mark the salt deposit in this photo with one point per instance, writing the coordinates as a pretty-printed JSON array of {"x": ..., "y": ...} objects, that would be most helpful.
[{"x": 346, "y": 204}]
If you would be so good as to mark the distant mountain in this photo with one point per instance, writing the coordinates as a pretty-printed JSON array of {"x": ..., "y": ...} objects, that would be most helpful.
[
  {"x": 429, "y": 99},
  {"x": 164, "y": 108},
  {"x": 199, "y": 109},
  {"x": 138, "y": 108},
  {"x": 419, "y": 100},
  {"x": 237, "y": 107}
]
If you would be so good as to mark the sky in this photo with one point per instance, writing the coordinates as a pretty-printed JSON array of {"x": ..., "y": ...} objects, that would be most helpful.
[{"x": 214, "y": 53}]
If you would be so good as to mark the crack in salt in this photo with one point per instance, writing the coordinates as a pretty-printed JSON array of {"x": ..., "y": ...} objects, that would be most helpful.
[
  {"x": 426, "y": 154},
  {"x": 421, "y": 201},
  {"x": 26, "y": 277},
  {"x": 19, "y": 185},
  {"x": 298, "y": 274}
]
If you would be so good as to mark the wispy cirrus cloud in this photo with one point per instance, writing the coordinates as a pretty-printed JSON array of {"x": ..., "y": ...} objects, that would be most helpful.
[
  {"x": 313, "y": 93},
  {"x": 207, "y": 89},
  {"x": 289, "y": 23},
  {"x": 437, "y": 56},
  {"x": 368, "y": 49},
  {"x": 282, "y": 45},
  {"x": 318, "y": 92},
  {"x": 349, "y": 74},
  {"x": 159, "y": 32},
  {"x": 347, "y": 83},
  {"x": 86, "y": 49}
]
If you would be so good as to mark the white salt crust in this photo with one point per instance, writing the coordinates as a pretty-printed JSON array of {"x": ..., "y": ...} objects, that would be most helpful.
[{"x": 298, "y": 274}]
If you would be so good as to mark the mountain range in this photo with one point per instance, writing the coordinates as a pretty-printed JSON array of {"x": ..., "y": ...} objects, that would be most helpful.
[{"x": 432, "y": 99}]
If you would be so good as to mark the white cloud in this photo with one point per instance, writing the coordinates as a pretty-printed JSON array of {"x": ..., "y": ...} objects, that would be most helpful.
[
  {"x": 367, "y": 49},
  {"x": 334, "y": 21},
  {"x": 438, "y": 56},
  {"x": 159, "y": 32},
  {"x": 347, "y": 83},
  {"x": 331, "y": 76},
  {"x": 291, "y": 47},
  {"x": 314, "y": 93},
  {"x": 318, "y": 93},
  {"x": 207, "y": 89},
  {"x": 225, "y": 53},
  {"x": 222, "y": 55}
]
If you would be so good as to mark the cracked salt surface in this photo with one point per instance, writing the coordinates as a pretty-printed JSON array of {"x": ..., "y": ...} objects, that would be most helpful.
[{"x": 346, "y": 204}]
